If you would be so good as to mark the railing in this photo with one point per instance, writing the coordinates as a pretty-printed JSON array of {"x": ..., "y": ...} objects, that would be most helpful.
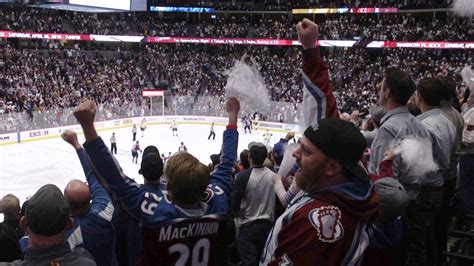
[{"x": 179, "y": 105}]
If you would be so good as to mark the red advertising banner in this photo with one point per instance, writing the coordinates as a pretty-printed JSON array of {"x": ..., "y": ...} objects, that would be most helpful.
[
  {"x": 232, "y": 41},
  {"x": 367, "y": 10},
  {"x": 245, "y": 41},
  {"x": 344, "y": 10},
  {"x": 44, "y": 36},
  {"x": 238, "y": 41},
  {"x": 421, "y": 45}
]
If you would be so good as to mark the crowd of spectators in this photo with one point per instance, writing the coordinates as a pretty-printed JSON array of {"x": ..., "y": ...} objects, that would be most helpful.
[
  {"x": 49, "y": 81},
  {"x": 204, "y": 73},
  {"x": 353, "y": 72},
  {"x": 234, "y": 27},
  {"x": 356, "y": 79},
  {"x": 191, "y": 70},
  {"x": 400, "y": 27},
  {"x": 59, "y": 79},
  {"x": 86, "y": 23},
  {"x": 344, "y": 202},
  {"x": 41, "y": 81},
  {"x": 28, "y": 19}
]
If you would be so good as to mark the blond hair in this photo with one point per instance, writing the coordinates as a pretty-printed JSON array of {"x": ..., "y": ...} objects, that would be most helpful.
[
  {"x": 268, "y": 163},
  {"x": 187, "y": 178}
]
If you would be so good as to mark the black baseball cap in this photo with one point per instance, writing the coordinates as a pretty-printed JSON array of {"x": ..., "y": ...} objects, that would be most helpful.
[
  {"x": 48, "y": 211},
  {"x": 341, "y": 141},
  {"x": 151, "y": 166}
]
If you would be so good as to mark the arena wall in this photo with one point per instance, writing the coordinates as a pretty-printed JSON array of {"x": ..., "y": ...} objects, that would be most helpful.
[{"x": 49, "y": 133}]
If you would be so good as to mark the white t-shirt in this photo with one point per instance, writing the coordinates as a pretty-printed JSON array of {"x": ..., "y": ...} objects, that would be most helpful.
[{"x": 468, "y": 131}]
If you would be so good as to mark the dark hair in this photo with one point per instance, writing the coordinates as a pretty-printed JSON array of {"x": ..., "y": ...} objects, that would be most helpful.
[
  {"x": 371, "y": 123},
  {"x": 413, "y": 109},
  {"x": 23, "y": 208},
  {"x": 9, "y": 245},
  {"x": 153, "y": 173},
  {"x": 258, "y": 154},
  {"x": 244, "y": 159},
  {"x": 448, "y": 88},
  {"x": 430, "y": 90},
  {"x": 151, "y": 166},
  {"x": 400, "y": 84}
]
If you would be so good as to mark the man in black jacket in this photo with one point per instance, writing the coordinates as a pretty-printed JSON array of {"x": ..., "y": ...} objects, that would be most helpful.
[{"x": 46, "y": 220}]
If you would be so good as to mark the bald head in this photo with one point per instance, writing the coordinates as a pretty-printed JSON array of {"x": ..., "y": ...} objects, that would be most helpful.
[
  {"x": 78, "y": 195},
  {"x": 346, "y": 117},
  {"x": 11, "y": 207}
]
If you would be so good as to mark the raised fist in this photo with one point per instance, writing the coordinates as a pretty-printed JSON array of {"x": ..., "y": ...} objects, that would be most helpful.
[
  {"x": 71, "y": 138},
  {"x": 232, "y": 105},
  {"x": 290, "y": 135},
  {"x": 308, "y": 32},
  {"x": 85, "y": 112}
]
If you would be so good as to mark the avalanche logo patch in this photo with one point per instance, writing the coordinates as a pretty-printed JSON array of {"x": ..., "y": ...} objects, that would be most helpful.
[
  {"x": 207, "y": 196},
  {"x": 327, "y": 221},
  {"x": 285, "y": 261}
]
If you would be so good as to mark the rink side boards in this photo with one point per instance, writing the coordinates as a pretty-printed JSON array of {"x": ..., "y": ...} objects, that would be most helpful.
[{"x": 50, "y": 133}]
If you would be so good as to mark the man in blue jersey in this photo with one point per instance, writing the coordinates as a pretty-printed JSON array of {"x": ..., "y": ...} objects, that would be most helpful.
[
  {"x": 128, "y": 230},
  {"x": 92, "y": 227},
  {"x": 191, "y": 191}
]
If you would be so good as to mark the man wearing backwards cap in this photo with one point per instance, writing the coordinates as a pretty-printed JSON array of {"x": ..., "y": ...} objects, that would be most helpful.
[
  {"x": 326, "y": 223},
  {"x": 46, "y": 220},
  {"x": 128, "y": 230}
]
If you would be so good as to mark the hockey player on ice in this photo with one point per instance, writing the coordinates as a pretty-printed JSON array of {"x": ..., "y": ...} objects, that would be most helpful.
[
  {"x": 182, "y": 147},
  {"x": 143, "y": 126},
  {"x": 212, "y": 133},
  {"x": 135, "y": 149},
  {"x": 174, "y": 128},
  {"x": 267, "y": 137},
  {"x": 256, "y": 122},
  {"x": 134, "y": 132},
  {"x": 247, "y": 124}
]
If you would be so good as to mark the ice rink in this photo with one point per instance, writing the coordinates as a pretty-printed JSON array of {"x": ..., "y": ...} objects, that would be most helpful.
[{"x": 25, "y": 167}]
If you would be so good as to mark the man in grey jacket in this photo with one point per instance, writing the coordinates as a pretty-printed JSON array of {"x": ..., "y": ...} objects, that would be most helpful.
[
  {"x": 448, "y": 96},
  {"x": 253, "y": 203},
  {"x": 428, "y": 205},
  {"x": 395, "y": 90}
]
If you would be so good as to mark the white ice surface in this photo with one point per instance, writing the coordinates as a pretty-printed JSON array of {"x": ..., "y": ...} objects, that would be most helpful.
[{"x": 27, "y": 166}]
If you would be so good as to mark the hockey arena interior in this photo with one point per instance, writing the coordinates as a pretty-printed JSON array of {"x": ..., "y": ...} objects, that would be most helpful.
[{"x": 243, "y": 132}]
